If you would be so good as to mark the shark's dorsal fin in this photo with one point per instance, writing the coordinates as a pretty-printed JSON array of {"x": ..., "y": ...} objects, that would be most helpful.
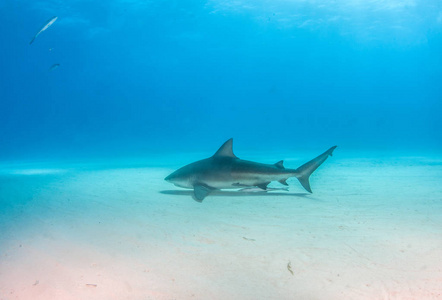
[
  {"x": 226, "y": 150},
  {"x": 280, "y": 164}
]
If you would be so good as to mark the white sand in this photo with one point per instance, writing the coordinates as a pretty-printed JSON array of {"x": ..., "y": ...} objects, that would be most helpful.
[{"x": 371, "y": 230}]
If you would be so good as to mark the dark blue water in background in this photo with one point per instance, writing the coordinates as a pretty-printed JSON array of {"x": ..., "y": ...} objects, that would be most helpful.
[{"x": 140, "y": 77}]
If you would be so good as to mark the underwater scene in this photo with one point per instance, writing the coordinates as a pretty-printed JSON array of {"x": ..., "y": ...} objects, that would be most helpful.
[{"x": 221, "y": 149}]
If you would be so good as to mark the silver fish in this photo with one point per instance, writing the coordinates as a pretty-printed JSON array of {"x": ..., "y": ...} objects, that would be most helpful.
[
  {"x": 46, "y": 26},
  {"x": 53, "y": 67}
]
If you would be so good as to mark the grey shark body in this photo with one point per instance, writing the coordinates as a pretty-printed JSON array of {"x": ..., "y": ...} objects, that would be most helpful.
[{"x": 226, "y": 171}]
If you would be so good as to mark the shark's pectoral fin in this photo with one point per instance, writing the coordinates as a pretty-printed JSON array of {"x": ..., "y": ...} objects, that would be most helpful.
[{"x": 201, "y": 191}]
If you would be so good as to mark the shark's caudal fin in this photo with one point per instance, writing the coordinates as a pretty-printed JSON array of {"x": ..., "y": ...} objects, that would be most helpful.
[{"x": 304, "y": 171}]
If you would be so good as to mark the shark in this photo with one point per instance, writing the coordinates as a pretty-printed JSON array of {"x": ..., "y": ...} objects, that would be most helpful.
[{"x": 224, "y": 170}]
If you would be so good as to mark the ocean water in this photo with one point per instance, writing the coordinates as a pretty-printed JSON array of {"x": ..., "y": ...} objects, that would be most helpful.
[{"x": 99, "y": 107}]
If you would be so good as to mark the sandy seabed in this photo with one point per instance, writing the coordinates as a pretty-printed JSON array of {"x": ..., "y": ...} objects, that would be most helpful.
[{"x": 371, "y": 230}]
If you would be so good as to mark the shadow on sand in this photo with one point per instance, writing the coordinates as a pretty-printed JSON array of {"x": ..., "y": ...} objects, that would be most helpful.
[{"x": 234, "y": 193}]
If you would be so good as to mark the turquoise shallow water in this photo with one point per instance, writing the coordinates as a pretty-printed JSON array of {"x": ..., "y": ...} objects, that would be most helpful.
[{"x": 371, "y": 229}]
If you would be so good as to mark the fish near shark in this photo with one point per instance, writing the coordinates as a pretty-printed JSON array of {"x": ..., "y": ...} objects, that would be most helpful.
[
  {"x": 44, "y": 27},
  {"x": 53, "y": 67},
  {"x": 224, "y": 170}
]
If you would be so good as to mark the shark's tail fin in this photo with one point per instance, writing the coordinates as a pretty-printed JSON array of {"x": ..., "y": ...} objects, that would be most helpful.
[{"x": 304, "y": 171}]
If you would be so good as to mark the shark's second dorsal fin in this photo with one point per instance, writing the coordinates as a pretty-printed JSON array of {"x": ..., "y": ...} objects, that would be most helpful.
[
  {"x": 280, "y": 164},
  {"x": 226, "y": 150}
]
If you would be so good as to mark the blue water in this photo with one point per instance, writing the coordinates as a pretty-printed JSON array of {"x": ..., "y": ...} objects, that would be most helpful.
[{"x": 138, "y": 78}]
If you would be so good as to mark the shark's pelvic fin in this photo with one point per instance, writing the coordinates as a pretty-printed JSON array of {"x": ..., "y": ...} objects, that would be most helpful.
[
  {"x": 304, "y": 171},
  {"x": 201, "y": 191},
  {"x": 226, "y": 150}
]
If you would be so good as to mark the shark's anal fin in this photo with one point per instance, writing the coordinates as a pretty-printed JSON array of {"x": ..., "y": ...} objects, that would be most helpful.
[
  {"x": 263, "y": 186},
  {"x": 201, "y": 191},
  {"x": 283, "y": 181}
]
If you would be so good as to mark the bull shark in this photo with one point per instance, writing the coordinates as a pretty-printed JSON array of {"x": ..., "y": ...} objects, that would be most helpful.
[{"x": 224, "y": 170}]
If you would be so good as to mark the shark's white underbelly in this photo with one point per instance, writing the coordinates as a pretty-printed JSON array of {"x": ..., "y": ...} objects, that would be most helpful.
[{"x": 237, "y": 181}]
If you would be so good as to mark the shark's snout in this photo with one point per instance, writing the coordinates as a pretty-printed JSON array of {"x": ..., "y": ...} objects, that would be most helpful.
[
  {"x": 179, "y": 179},
  {"x": 173, "y": 178},
  {"x": 168, "y": 178}
]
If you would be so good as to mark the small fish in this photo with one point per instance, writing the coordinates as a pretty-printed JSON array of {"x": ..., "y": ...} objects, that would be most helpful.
[
  {"x": 53, "y": 67},
  {"x": 46, "y": 26}
]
